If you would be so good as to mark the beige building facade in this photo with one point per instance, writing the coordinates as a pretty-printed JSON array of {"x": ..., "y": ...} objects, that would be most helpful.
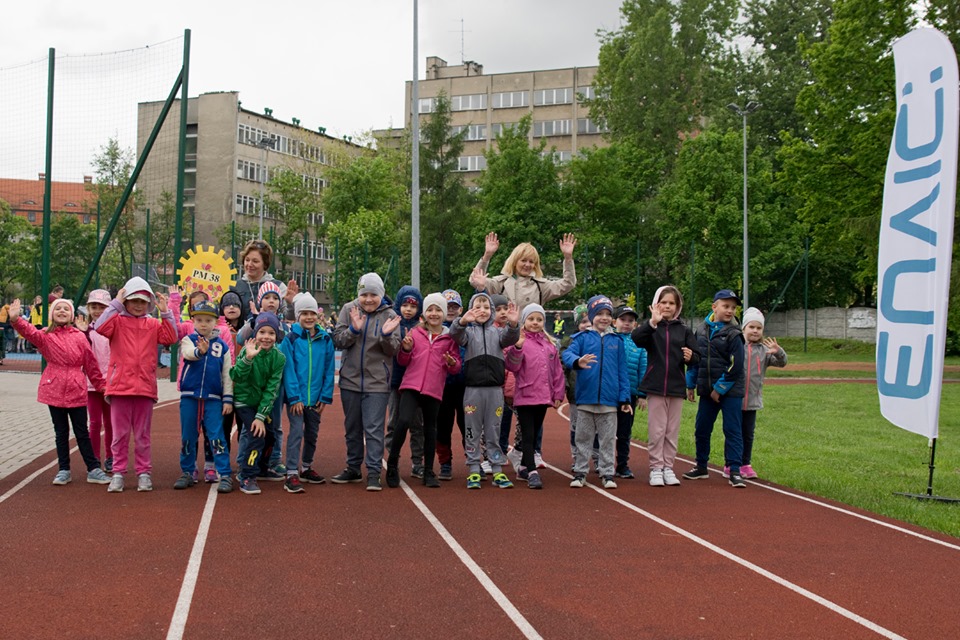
[{"x": 231, "y": 153}]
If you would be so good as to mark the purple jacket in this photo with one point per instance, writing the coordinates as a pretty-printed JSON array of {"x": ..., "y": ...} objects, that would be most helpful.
[
  {"x": 426, "y": 368},
  {"x": 538, "y": 370}
]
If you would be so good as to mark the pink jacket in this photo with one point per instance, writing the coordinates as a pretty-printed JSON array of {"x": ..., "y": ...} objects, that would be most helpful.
[
  {"x": 427, "y": 372},
  {"x": 538, "y": 370},
  {"x": 229, "y": 336},
  {"x": 69, "y": 362},
  {"x": 132, "y": 370},
  {"x": 101, "y": 349}
]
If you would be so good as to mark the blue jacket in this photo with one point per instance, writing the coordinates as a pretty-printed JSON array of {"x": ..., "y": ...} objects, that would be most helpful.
[
  {"x": 606, "y": 382},
  {"x": 406, "y": 291},
  {"x": 205, "y": 376},
  {"x": 721, "y": 360},
  {"x": 308, "y": 372},
  {"x": 636, "y": 364}
]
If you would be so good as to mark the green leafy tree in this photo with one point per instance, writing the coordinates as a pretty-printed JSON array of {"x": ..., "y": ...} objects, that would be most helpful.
[
  {"x": 72, "y": 246},
  {"x": 293, "y": 194},
  {"x": 113, "y": 166},
  {"x": 16, "y": 253}
]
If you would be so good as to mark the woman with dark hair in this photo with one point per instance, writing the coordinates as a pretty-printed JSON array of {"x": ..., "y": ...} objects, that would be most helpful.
[{"x": 255, "y": 258}]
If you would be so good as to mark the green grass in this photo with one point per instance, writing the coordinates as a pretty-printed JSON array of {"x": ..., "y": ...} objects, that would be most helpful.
[
  {"x": 827, "y": 350},
  {"x": 830, "y": 440}
]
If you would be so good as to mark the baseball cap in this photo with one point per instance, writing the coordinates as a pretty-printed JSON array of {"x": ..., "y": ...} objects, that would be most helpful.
[
  {"x": 628, "y": 311},
  {"x": 726, "y": 294}
]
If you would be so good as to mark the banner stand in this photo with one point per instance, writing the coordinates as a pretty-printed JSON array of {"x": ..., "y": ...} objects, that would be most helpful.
[{"x": 929, "y": 494}]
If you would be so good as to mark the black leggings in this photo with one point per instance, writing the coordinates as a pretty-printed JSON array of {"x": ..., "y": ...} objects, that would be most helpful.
[
  {"x": 747, "y": 428},
  {"x": 530, "y": 419},
  {"x": 62, "y": 417},
  {"x": 451, "y": 409},
  {"x": 412, "y": 403}
]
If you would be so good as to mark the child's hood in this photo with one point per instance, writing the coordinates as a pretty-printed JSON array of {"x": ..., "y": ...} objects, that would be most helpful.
[
  {"x": 136, "y": 283},
  {"x": 656, "y": 298},
  {"x": 408, "y": 291},
  {"x": 483, "y": 294}
]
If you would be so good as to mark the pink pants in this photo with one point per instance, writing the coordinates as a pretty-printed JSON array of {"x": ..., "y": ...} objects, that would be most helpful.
[
  {"x": 99, "y": 411},
  {"x": 663, "y": 430},
  {"x": 131, "y": 414}
]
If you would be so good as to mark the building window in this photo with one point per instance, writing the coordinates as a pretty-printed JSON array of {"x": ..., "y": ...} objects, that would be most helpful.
[
  {"x": 551, "y": 128},
  {"x": 281, "y": 144},
  {"x": 253, "y": 171},
  {"x": 545, "y": 97},
  {"x": 471, "y": 163},
  {"x": 586, "y": 125},
  {"x": 428, "y": 105},
  {"x": 468, "y": 103},
  {"x": 86, "y": 218},
  {"x": 31, "y": 216},
  {"x": 586, "y": 93},
  {"x": 498, "y": 128},
  {"x": 510, "y": 99},
  {"x": 474, "y": 131},
  {"x": 248, "y": 205},
  {"x": 559, "y": 157}
]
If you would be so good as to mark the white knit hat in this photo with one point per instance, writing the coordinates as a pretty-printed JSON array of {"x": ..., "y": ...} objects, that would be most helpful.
[
  {"x": 752, "y": 315},
  {"x": 304, "y": 302},
  {"x": 435, "y": 299}
]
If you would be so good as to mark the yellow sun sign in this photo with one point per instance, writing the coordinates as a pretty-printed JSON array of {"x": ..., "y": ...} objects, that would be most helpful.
[{"x": 207, "y": 270}]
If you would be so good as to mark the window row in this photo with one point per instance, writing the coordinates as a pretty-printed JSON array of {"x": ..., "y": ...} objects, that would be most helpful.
[
  {"x": 469, "y": 102},
  {"x": 247, "y": 134},
  {"x": 510, "y": 99},
  {"x": 316, "y": 250},
  {"x": 474, "y": 131},
  {"x": 253, "y": 171},
  {"x": 551, "y": 128},
  {"x": 312, "y": 282},
  {"x": 471, "y": 163}
]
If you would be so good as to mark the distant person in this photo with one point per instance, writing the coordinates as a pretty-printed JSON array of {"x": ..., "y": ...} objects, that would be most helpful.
[
  {"x": 451, "y": 406},
  {"x": 671, "y": 347},
  {"x": 63, "y": 384},
  {"x": 408, "y": 304},
  {"x": 5, "y": 325},
  {"x": 256, "y": 257},
  {"x": 759, "y": 354},
  {"x": 55, "y": 294},
  {"x": 557, "y": 326},
  {"x": 132, "y": 383},
  {"x": 521, "y": 278},
  {"x": 720, "y": 381},
  {"x": 36, "y": 313}
]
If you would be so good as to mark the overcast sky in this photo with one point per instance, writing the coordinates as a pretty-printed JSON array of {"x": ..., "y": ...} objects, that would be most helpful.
[{"x": 339, "y": 64}]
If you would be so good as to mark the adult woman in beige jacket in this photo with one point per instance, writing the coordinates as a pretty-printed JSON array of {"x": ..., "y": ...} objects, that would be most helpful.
[{"x": 521, "y": 279}]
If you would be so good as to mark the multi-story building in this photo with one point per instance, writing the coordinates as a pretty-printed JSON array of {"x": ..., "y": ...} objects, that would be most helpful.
[
  {"x": 231, "y": 153},
  {"x": 25, "y": 198},
  {"x": 485, "y": 104}
]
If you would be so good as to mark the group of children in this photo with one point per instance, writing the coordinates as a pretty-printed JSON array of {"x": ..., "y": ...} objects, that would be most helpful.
[{"x": 425, "y": 358}]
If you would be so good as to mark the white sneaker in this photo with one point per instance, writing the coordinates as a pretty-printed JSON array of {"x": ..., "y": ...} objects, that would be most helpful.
[
  {"x": 486, "y": 468},
  {"x": 144, "y": 483},
  {"x": 539, "y": 460},
  {"x": 116, "y": 484},
  {"x": 669, "y": 478},
  {"x": 62, "y": 477},
  {"x": 515, "y": 458},
  {"x": 578, "y": 482},
  {"x": 657, "y": 477},
  {"x": 608, "y": 482}
]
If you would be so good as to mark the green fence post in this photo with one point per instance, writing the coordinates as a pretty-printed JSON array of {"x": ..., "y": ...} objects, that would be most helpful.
[{"x": 146, "y": 251}]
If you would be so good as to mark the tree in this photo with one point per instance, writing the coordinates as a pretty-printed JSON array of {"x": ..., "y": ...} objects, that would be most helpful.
[
  {"x": 16, "y": 257},
  {"x": 293, "y": 195},
  {"x": 113, "y": 167},
  {"x": 72, "y": 247}
]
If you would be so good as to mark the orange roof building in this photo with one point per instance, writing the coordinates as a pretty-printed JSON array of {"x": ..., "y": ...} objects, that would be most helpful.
[{"x": 25, "y": 198}]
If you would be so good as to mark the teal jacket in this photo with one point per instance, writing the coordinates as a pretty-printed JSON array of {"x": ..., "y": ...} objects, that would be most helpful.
[
  {"x": 256, "y": 382},
  {"x": 308, "y": 373}
]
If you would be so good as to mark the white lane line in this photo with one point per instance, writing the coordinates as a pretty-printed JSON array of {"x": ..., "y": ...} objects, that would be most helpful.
[
  {"x": 498, "y": 596},
  {"x": 182, "y": 610},
  {"x": 832, "y": 606},
  {"x": 812, "y": 501},
  {"x": 30, "y": 478}
]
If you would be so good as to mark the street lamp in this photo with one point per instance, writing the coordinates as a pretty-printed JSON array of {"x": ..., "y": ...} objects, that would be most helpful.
[
  {"x": 264, "y": 144},
  {"x": 749, "y": 108}
]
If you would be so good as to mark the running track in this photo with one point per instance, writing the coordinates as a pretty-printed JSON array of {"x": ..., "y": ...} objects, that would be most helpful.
[{"x": 698, "y": 561}]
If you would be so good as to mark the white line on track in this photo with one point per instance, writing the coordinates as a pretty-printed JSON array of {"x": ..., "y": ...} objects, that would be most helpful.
[
  {"x": 498, "y": 596},
  {"x": 182, "y": 610},
  {"x": 813, "y": 501},
  {"x": 832, "y": 606},
  {"x": 30, "y": 478}
]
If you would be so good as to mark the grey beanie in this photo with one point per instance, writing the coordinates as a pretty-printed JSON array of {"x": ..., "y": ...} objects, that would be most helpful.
[
  {"x": 532, "y": 308},
  {"x": 371, "y": 283},
  {"x": 304, "y": 302}
]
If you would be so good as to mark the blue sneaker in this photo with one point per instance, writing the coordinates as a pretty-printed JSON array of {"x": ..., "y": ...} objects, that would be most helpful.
[
  {"x": 473, "y": 481},
  {"x": 501, "y": 481},
  {"x": 534, "y": 481},
  {"x": 446, "y": 471},
  {"x": 249, "y": 485}
]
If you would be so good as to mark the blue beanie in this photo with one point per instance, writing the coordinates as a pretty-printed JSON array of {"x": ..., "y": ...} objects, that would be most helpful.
[
  {"x": 596, "y": 304},
  {"x": 268, "y": 319}
]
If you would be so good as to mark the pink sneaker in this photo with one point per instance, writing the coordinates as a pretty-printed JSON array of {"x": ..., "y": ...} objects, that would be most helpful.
[
  {"x": 210, "y": 476},
  {"x": 726, "y": 472},
  {"x": 747, "y": 472}
]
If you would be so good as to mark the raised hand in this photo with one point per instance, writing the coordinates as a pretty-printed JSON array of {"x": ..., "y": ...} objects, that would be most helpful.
[
  {"x": 490, "y": 245},
  {"x": 202, "y": 345},
  {"x": 161, "y": 302},
  {"x": 15, "y": 309},
  {"x": 521, "y": 339},
  {"x": 407, "y": 343},
  {"x": 292, "y": 290},
  {"x": 587, "y": 360},
  {"x": 356, "y": 318},
  {"x": 390, "y": 325},
  {"x": 251, "y": 349},
  {"x": 771, "y": 344},
  {"x": 567, "y": 245},
  {"x": 449, "y": 359},
  {"x": 468, "y": 317},
  {"x": 513, "y": 314},
  {"x": 478, "y": 279},
  {"x": 122, "y": 295},
  {"x": 655, "y": 315},
  {"x": 80, "y": 322}
]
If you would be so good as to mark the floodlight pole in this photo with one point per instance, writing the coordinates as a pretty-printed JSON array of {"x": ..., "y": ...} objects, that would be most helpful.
[
  {"x": 749, "y": 108},
  {"x": 415, "y": 161}
]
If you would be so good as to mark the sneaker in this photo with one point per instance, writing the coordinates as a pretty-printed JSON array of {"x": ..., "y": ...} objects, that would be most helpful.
[
  {"x": 534, "y": 481},
  {"x": 726, "y": 472},
  {"x": 108, "y": 465},
  {"x": 393, "y": 477},
  {"x": 144, "y": 482},
  {"x": 196, "y": 476},
  {"x": 747, "y": 472},
  {"x": 670, "y": 478},
  {"x": 271, "y": 475},
  {"x": 184, "y": 481},
  {"x": 624, "y": 472},
  {"x": 226, "y": 485},
  {"x": 538, "y": 459},
  {"x": 515, "y": 458},
  {"x": 292, "y": 484},
  {"x": 501, "y": 481},
  {"x": 736, "y": 481},
  {"x": 97, "y": 476},
  {"x": 656, "y": 478},
  {"x": 579, "y": 481},
  {"x": 608, "y": 482},
  {"x": 312, "y": 477},
  {"x": 430, "y": 480},
  {"x": 373, "y": 482},
  {"x": 249, "y": 486},
  {"x": 696, "y": 474},
  {"x": 446, "y": 471},
  {"x": 486, "y": 468},
  {"x": 523, "y": 474},
  {"x": 210, "y": 476},
  {"x": 417, "y": 471},
  {"x": 473, "y": 481},
  {"x": 280, "y": 468},
  {"x": 62, "y": 477},
  {"x": 116, "y": 484},
  {"x": 347, "y": 475}
]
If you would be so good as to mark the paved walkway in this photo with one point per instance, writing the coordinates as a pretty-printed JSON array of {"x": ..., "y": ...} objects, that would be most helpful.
[{"x": 26, "y": 431}]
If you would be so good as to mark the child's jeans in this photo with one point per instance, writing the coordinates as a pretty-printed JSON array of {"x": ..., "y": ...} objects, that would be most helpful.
[
  {"x": 707, "y": 412},
  {"x": 302, "y": 436},
  {"x": 131, "y": 415},
  {"x": 364, "y": 417},
  {"x": 209, "y": 413},
  {"x": 276, "y": 427},
  {"x": 251, "y": 447},
  {"x": 748, "y": 427}
]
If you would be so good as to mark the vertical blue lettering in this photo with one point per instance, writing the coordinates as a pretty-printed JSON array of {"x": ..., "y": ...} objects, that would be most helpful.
[
  {"x": 904, "y": 150},
  {"x": 889, "y": 285},
  {"x": 903, "y": 221},
  {"x": 899, "y": 387}
]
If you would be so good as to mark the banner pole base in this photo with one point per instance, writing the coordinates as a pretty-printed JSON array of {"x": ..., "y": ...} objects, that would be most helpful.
[{"x": 927, "y": 496}]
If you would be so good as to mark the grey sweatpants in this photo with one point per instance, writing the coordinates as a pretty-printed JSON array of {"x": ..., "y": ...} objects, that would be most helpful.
[
  {"x": 483, "y": 408},
  {"x": 603, "y": 426}
]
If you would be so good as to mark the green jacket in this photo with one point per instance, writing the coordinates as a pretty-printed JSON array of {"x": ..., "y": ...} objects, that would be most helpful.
[{"x": 256, "y": 382}]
